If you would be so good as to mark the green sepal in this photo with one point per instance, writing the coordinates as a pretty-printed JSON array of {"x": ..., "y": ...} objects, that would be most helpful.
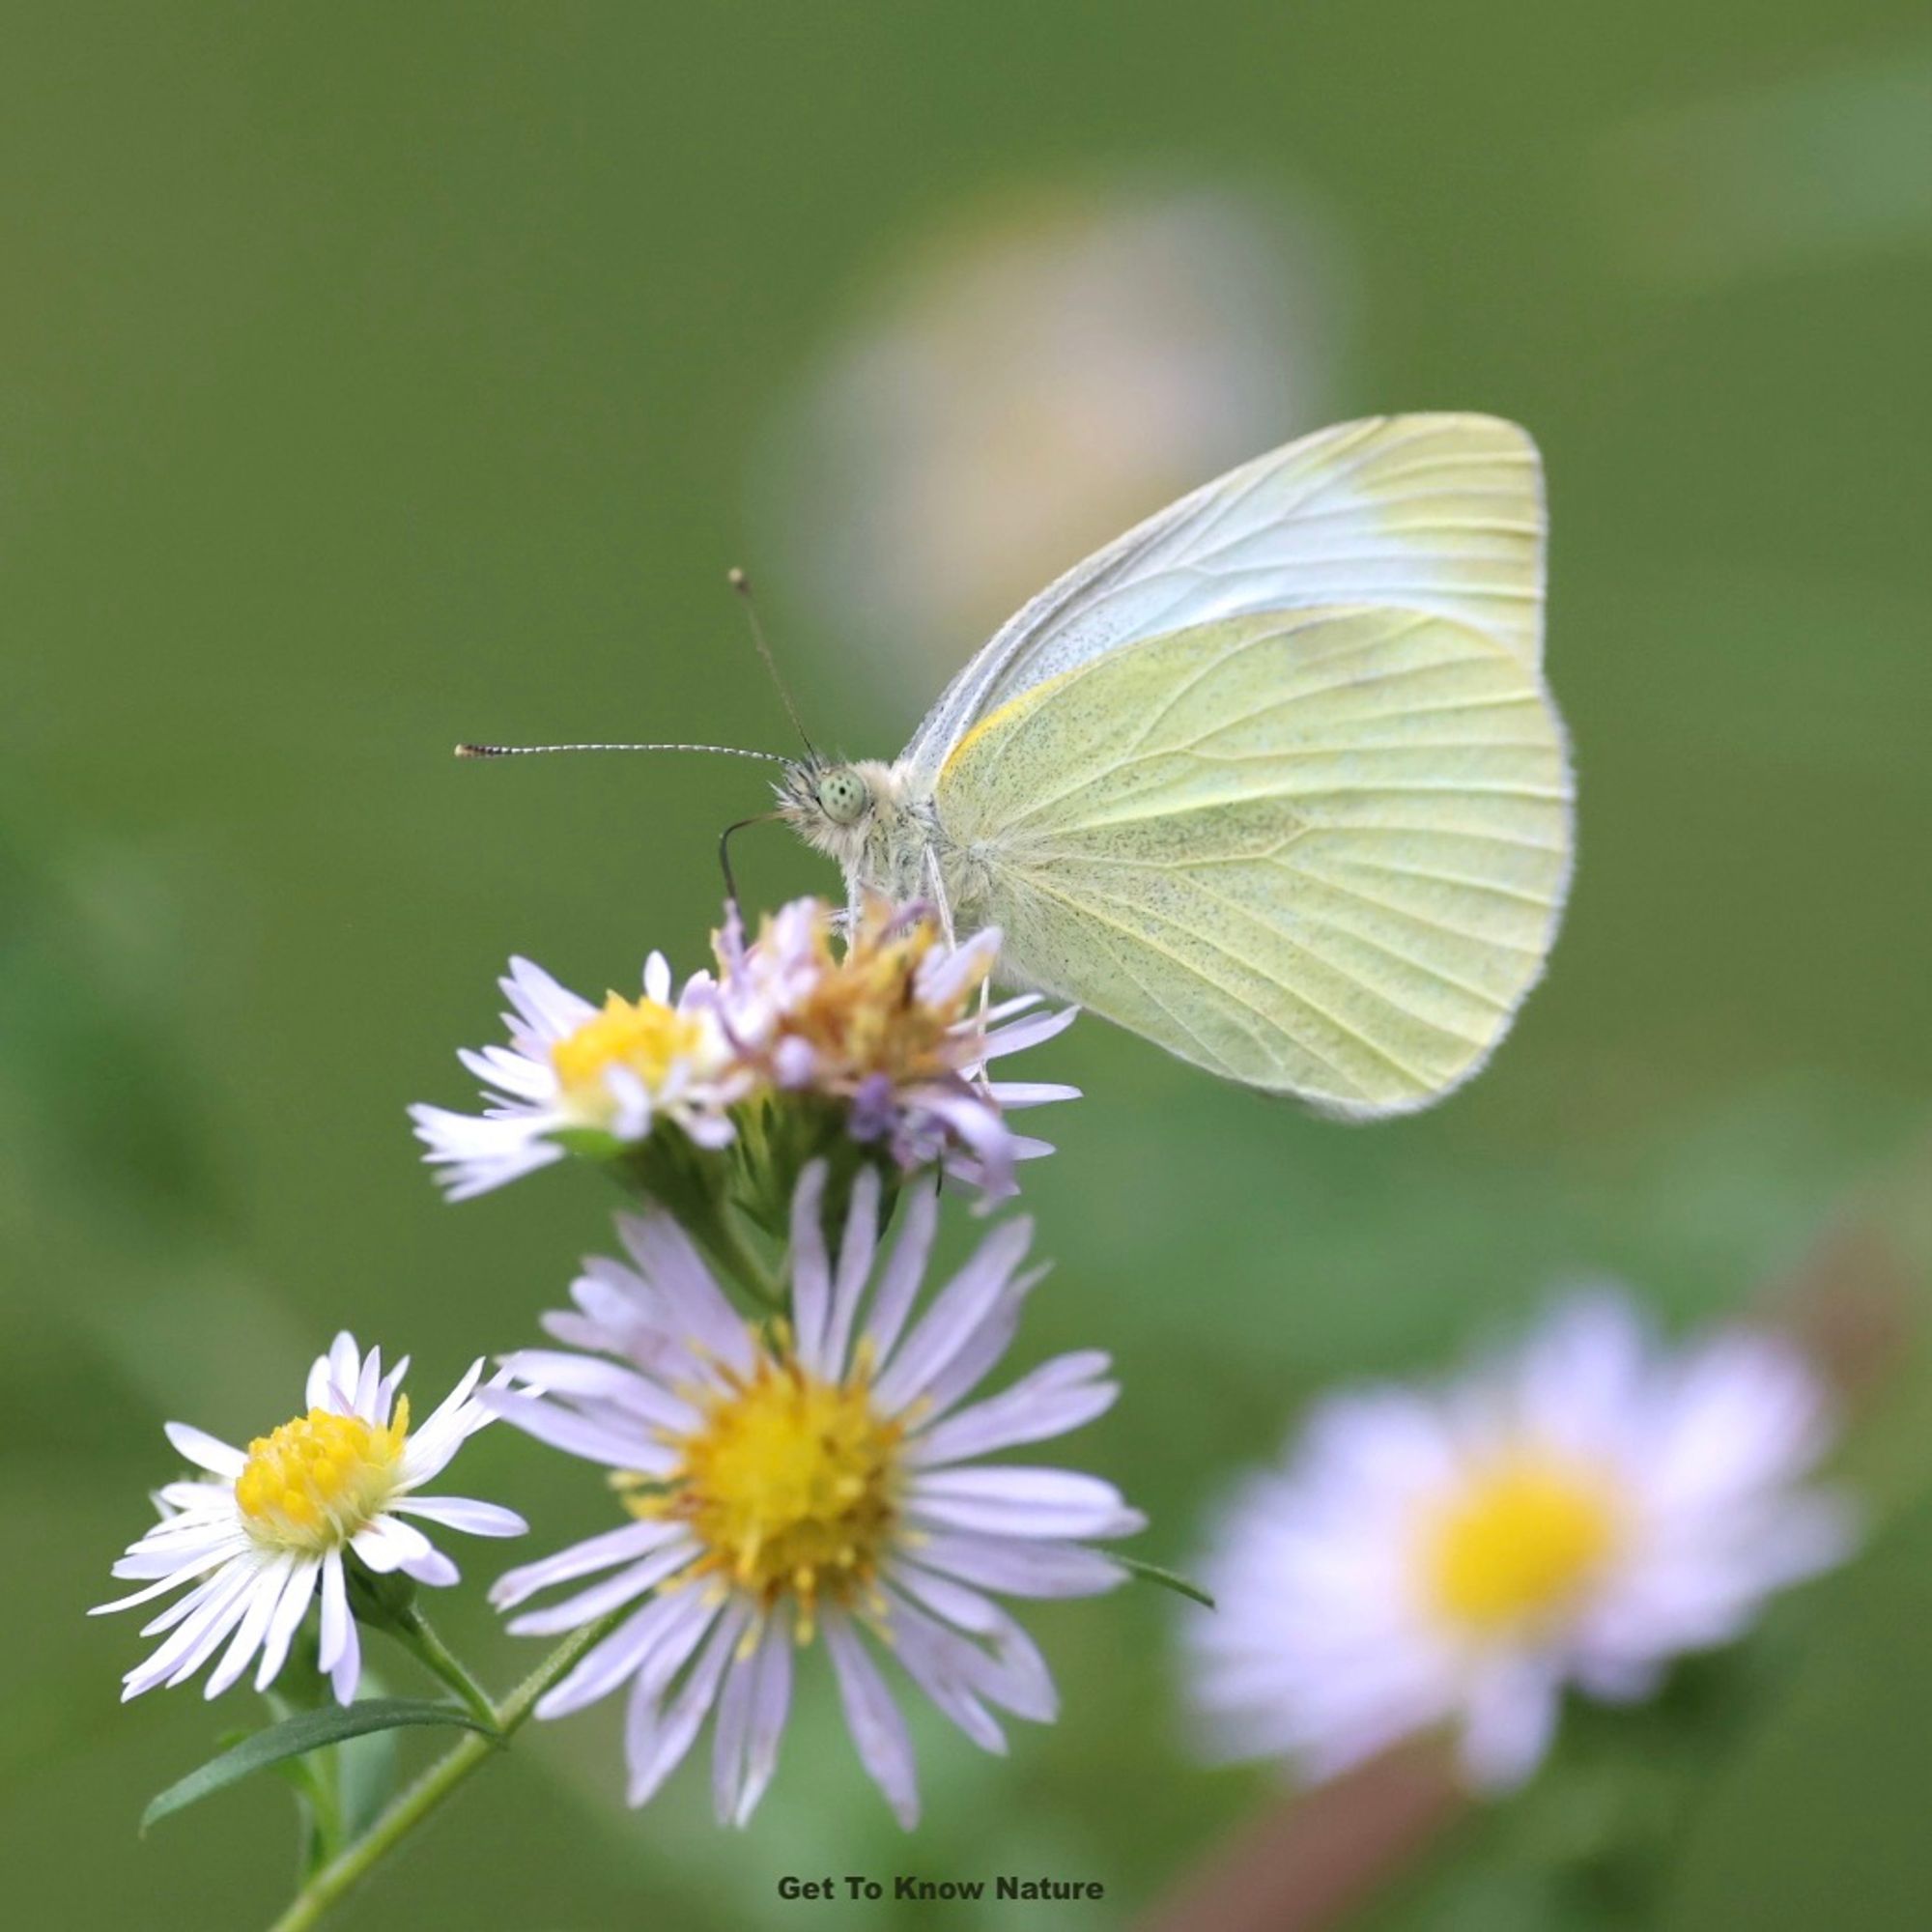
[{"x": 380, "y": 1599}]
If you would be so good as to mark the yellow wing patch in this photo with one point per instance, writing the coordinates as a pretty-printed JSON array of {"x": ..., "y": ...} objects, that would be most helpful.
[{"x": 999, "y": 720}]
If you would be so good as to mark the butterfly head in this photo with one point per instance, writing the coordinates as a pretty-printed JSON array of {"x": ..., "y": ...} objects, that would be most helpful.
[{"x": 841, "y": 810}]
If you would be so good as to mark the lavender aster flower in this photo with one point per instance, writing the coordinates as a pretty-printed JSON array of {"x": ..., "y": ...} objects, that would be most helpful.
[
  {"x": 1577, "y": 1513},
  {"x": 823, "y": 1479},
  {"x": 894, "y": 1023}
]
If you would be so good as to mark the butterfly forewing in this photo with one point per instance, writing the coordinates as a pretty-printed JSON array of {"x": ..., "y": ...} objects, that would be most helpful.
[{"x": 1441, "y": 514}]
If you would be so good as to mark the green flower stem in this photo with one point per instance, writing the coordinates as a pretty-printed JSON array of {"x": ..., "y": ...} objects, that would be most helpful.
[
  {"x": 408, "y": 1809},
  {"x": 414, "y": 1630}
]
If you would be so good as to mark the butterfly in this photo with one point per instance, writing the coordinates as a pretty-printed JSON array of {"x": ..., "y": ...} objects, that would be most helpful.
[{"x": 1273, "y": 780}]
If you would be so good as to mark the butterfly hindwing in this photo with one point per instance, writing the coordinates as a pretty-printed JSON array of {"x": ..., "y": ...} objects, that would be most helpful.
[{"x": 1317, "y": 851}]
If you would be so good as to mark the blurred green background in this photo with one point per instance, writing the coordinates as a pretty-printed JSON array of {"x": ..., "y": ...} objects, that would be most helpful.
[{"x": 373, "y": 377}]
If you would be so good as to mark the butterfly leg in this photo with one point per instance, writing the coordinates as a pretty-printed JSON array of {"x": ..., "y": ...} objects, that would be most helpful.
[{"x": 936, "y": 885}]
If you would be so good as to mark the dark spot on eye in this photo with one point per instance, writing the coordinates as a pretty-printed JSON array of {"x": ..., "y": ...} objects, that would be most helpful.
[{"x": 843, "y": 797}]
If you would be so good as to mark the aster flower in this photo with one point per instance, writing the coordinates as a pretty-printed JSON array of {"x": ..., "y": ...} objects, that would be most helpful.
[
  {"x": 815, "y": 1479},
  {"x": 272, "y": 1529},
  {"x": 1576, "y": 1513},
  {"x": 892, "y": 1024},
  {"x": 609, "y": 1072}
]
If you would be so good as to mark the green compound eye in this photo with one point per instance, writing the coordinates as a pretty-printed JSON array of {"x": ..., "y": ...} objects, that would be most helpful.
[{"x": 845, "y": 796}]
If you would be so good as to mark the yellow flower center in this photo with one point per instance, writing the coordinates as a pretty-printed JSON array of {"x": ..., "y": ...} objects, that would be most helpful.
[
  {"x": 645, "y": 1036},
  {"x": 789, "y": 1483},
  {"x": 1520, "y": 1545},
  {"x": 319, "y": 1479}
]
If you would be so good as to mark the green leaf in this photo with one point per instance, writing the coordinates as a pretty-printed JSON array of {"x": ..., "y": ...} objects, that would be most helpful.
[
  {"x": 1168, "y": 1579},
  {"x": 297, "y": 1735},
  {"x": 367, "y": 1776}
]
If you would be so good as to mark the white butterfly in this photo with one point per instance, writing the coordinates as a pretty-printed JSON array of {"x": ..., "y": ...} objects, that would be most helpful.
[{"x": 1273, "y": 780}]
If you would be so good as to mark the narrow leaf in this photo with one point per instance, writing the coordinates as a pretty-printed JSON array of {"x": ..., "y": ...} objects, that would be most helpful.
[
  {"x": 310, "y": 1731},
  {"x": 1168, "y": 1579}
]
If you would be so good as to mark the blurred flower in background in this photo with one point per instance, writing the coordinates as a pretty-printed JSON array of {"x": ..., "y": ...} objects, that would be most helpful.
[
  {"x": 817, "y": 1477},
  {"x": 1577, "y": 1513},
  {"x": 1034, "y": 377},
  {"x": 277, "y": 1524}
]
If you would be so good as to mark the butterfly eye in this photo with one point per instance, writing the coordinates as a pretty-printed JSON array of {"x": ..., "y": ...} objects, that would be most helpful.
[{"x": 845, "y": 796}]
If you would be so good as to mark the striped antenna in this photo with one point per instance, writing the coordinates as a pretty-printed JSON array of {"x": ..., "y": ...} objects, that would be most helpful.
[
  {"x": 742, "y": 585},
  {"x": 533, "y": 751}
]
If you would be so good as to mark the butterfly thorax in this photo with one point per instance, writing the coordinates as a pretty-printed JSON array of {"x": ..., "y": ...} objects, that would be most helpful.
[{"x": 869, "y": 818}]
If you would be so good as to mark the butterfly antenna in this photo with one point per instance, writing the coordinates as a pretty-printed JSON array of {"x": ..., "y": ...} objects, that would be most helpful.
[
  {"x": 742, "y": 585},
  {"x": 533, "y": 751}
]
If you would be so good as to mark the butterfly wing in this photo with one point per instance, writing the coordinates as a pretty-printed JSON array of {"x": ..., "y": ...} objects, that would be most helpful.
[
  {"x": 1441, "y": 513},
  {"x": 1317, "y": 851}
]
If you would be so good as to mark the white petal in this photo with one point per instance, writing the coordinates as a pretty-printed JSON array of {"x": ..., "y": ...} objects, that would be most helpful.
[
  {"x": 656, "y": 1736},
  {"x": 214, "y": 1615},
  {"x": 1023, "y": 1034},
  {"x": 1057, "y": 1396},
  {"x": 1512, "y": 1717},
  {"x": 289, "y": 1613},
  {"x": 315, "y": 1393},
  {"x": 898, "y": 1285},
  {"x": 463, "y": 1513},
  {"x": 338, "y": 1628},
  {"x": 386, "y": 1544},
  {"x": 457, "y": 1417},
  {"x": 344, "y": 1365},
  {"x": 955, "y": 1316},
  {"x": 205, "y": 1451},
  {"x": 856, "y": 1253},
  {"x": 367, "y": 1382},
  {"x": 552, "y": 1008},
  {"x": 621, "y": 1545},
  {"x": 386, "y": 1396},
  {"x": 1017, "y": 1502},
  {"x": 673, "y": 1267},
  {"x": 732, "y": 1731},
  {"x": 1021, "y": 1568},
  {"x": 604, "y": 1597},
  {"x": 564, "y": 1428},
  {"x": 985, "y": 1348},
  {"x": 554, "y": 1372},
  {"x": 810, "y": 1275},
  {"x": 172, "y": 1582},
  {"x": 660, "y": 1637},
  {"x": 878, "y": 1727},
  {"x": 930, "y": 1657},
  {"x": 771, "y": 1702},
  {"x": 263, "y": 1602},
  {"x": 187, "y": 1605}
]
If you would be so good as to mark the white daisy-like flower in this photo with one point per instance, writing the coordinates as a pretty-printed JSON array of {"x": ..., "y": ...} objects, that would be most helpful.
[
  {"x": 1576, "y": 1513},
  {"x": 822, "y": 1479},
  {"x": 271, "y": 1529},
  {"x": 891, "y": 1021},
  {"x": 613, "y": 1069}
]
